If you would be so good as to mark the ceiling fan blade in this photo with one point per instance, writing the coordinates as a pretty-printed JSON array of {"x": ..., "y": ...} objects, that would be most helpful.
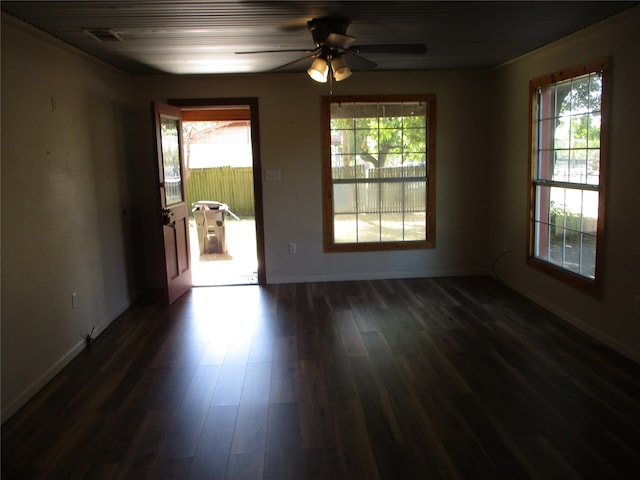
[
  {"x": 294, "y": 25},
  {"x": 338, "y": 40},
  {"x": 407, "y": 48},
  {"x": 356, "y": 62},
  {"x": 280, "y": 50},
  {"x": 290, "y": 64}
]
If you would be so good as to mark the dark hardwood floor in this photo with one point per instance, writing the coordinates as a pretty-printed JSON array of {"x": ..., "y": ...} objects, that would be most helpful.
[{"x": 398, "y": 379}]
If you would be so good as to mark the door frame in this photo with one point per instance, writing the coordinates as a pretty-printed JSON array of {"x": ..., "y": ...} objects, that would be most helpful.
[{"x": 252, "y": 103}]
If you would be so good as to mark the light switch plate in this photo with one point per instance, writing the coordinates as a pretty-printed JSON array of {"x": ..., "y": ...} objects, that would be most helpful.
[{"x": 272, "y": 175}]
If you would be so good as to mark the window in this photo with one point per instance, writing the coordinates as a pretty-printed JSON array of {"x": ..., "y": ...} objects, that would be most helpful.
[
  {"x": 568, "y": 150},
  {"x": 379, "y": 172}
]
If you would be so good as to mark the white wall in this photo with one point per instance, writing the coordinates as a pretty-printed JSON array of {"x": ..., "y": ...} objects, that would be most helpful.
[
  {"x": 66, "y": 145},
  {"x": 290, "y": 127},
  {"x": 612, "y": 317}
]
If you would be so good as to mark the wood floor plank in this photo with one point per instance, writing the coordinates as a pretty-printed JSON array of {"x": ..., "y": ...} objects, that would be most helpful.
[
  {"x": 191, "y": 415},
  {"x": 420, "y": 431},
  {"x": 145, "y": 449},
  {"x": 243, "y": 466},
  {"x": 385, "y": 364},
  {"x": 316, "y": 414},
  {"x": 355, "y": 455},
  {"x": 496, "y": 446},
  {"x": 381, "y": 421},
  {"x": 543, "y": 460},
  {"x": 214, "y": 446},
  {"x": 470, "y": 460},
  {"x": 229, "y": 386},
  {"x": 283, "y": 430},
  {"x": 350, "y": 335},
  {"x": 449, "y": 378},
  {"x": 319, "y": 464},
  {"x": 283, "y": 465},
  {"x": 250, "y": 434}
]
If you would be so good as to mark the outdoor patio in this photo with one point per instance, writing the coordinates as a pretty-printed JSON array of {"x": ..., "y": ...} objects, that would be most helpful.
[{"x": 239, "y": 266}]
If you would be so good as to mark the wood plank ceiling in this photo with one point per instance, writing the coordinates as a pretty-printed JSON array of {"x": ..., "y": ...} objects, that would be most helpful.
[{"x": 202, "y": 37}]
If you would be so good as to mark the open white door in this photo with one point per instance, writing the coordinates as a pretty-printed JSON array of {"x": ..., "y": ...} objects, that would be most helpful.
[{"x": 172, "y": 199}]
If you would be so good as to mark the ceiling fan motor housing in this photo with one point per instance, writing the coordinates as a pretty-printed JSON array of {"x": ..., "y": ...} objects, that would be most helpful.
[{"x": 321, "y": 28}]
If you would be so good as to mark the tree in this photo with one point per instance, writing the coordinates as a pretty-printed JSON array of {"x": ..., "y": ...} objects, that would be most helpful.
[
  {"x": 382, "y": 140},
  {"x": 579, "y": 117}
]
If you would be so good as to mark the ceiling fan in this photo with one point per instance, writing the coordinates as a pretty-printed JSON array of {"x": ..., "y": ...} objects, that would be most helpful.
[{"x": 334, "y": 55}]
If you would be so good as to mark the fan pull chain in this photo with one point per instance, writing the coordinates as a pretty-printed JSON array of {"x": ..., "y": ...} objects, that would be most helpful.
[
  {"x": 330, "y": 77},
  {"x": 330, "y": 83}
]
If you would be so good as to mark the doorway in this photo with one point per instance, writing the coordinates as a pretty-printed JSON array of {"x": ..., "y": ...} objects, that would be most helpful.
[{"x": 222, "y": 175}]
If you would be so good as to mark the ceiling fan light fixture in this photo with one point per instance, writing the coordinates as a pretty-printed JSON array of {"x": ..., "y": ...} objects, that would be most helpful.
[
  {"x": 319, "y": 70},
  {"x": 340, "y": 69}
]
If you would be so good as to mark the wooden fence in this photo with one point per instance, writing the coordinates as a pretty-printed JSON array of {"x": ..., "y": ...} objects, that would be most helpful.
[
  {"x": 233, "y": 186},
  {"x": 378, "y": 194}
]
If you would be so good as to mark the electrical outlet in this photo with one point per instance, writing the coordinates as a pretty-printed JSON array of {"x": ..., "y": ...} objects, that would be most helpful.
[
  {"x": 292, "y": 248},
  {"x": 74, "y": 300},
  {"x": 637, "y": 303}
]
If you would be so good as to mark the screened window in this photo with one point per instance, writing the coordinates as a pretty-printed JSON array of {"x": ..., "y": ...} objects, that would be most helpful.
[
  {"x": 378, "y": 172},
  {"x": 567, "y": 173}
]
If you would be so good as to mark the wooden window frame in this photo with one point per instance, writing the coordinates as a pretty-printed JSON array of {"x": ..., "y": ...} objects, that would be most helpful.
[
  {"x": 590, "y": 286},
  {"x": 327, "y": 181}
]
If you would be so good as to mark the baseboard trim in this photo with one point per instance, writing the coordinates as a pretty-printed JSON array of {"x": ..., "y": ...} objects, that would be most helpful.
[
  {"x": 610, "y": 342},
  {"x": 47, "y": 376},
  {"x": 352, "y": 277}
]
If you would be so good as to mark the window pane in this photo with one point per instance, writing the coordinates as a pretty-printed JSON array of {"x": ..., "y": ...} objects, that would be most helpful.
[
  {"x": 595, "y": 92},
  {"x": 345, "y": 228},
  {"x": 562, "y": 167},
  {"x": 572, "y": 247},
  {"x": 171, "y": 161},
  {"x": 345, "y": 166},
  {"x": 578, "y": 99},
  {"x": 578, "y": 166},
  {"x": 542, "y": 240},
  {"x": 543, "y": 199},
  {"x": 594, "y": 131},
  {"x": 416, "y": 160},
  {"x": 415, "y": 226},
  {"x": 590, "y": 211},
  {"x": 368, "y": 227},
  {"x": 556, "y": 246},
  {"x": 367, "y": 123},
  {"x": 414, "y": 115},
  {"x": 368, "y": 197},
  {"x": 415, "y": 197},
  {"x": 414, "y": 140},
  {"x": 390, "y": 116},
  {"x": 344, "y": 198},
  {"x": 593, "y": 167},
  {"x": 579, "y": 124},
  {"x": 588, "y": 261},
  {"x": 393, "y": 158},
  {"x": 392, "y": 227},
  {"x": 573, "y": 209},
  {"x": 546, "y": 102},
  {"x": 343, "y": 141},
  {"x": 562, "y": 104},
  {"x": 547, "y": 168},
  {"x": 366, "y": 143},
  {"x": 560, "y": 132},
  {"x": 391, "y": 199}
]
